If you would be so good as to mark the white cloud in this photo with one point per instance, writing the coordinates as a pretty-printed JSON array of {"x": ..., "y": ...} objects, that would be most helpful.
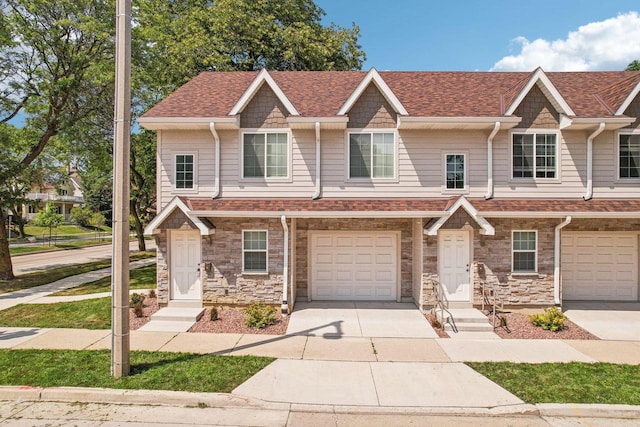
[{"x": 605, "y": 45}]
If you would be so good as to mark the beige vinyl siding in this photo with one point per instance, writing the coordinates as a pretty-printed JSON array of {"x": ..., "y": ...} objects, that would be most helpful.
[
  {"x": 571, "y": 181},
  {"x": 420, "y": 165},
  {"x": 605, "y": 170}
]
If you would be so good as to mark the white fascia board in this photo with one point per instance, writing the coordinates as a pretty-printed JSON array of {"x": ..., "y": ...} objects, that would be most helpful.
[
  {"x": 318, "y": 214},
  {"x": 449, "y": 122},
  {"x": 373, "y": 76},
  {"x": 162, "y": 123},
  {"x": 462, "y": 202},
  {"x": 174, "y": 204},
  {"x": 263, "y": 77},
  {"x": 629, "y": 99},
  {"x": 623, "y": 215},
  {"x": 300, "y": 119},
  {"x": 540, "y": 76}
]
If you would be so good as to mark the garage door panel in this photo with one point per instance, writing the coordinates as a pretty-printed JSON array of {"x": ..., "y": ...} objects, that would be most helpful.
[
  {"x": 600, "y": 266},
  {"x": 351, "y": 265}
]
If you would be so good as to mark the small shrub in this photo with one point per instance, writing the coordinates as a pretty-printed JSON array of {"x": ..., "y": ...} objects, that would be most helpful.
[
  {"x": 138, "y": 309},
  {"x": 259, "y": 315},
  {"x": 135, "y": 299},
  {"x": 551, "y": 320},
  {"x": 152, "y": 293},
  {"x": 214, "y": 314}
]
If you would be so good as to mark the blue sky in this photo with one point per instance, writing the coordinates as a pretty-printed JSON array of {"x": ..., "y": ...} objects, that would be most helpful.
[{"x": 561, "y": 35}]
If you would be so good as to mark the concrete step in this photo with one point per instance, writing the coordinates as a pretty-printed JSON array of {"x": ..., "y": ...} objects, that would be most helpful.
[
  {"x": 187, "y": 303},
  {"x": 469, "y": 327},
  {"x": 178, "y": 314},
  {"x": 468, "y": 315}
]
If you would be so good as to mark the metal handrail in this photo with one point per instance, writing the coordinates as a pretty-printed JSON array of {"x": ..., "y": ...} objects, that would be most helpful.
[
  {"x": 495, "y": 307},
  {"x": 442, "y": 305}
]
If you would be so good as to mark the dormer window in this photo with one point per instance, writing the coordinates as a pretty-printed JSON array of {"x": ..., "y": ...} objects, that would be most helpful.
[{"x": 534, "y": 155}]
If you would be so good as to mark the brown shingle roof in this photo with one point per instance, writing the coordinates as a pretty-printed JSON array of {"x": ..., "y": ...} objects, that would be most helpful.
[
  {"x": 550, "y": 206},
  {"x": 426, "y": 94}
]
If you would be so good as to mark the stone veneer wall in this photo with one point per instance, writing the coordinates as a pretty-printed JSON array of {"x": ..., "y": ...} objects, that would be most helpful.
[
  {"x": 162, "y": 268},
  {"x": 353, "y": 224},
  {"x": 224, "y": 283},
  {"x": 372, "y": 110},
  {"x": 536, "y": 111}
]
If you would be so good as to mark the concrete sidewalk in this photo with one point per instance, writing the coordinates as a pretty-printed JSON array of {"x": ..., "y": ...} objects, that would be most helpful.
[{"x": 31, "y": 295}]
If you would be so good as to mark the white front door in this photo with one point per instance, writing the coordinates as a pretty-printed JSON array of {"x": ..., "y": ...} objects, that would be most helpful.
[
  {"x": 453, "y": 266},
  {"x": 185, "y": 259}
]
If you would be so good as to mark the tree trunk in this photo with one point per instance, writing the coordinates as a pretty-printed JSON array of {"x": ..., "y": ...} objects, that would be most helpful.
[
  {"x": 6, "y": 268},
  {"x": 142, "y": 246}
]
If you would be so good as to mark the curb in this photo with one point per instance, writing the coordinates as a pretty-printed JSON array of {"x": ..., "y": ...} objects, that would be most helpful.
[{"x": 586, "y": 410}]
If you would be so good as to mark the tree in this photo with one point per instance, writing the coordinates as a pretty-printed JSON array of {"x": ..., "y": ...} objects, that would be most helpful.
[
  {"x": 55, "y": 62},
  {"x": 633, "y": 66},
  {"x": 81, "y": 216},
  {"x": 48, "y": 217}
]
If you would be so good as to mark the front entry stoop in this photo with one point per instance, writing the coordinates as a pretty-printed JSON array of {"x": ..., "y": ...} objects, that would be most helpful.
[
  {"x": 471, "y": 324},
  {"x": 178, "y": 316}
]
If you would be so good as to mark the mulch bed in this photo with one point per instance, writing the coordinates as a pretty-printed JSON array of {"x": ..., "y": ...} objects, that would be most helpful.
[
  {"x": 521, "y": 328},
  {"x": 231, "y": 321},
  {"x": 150, "y": 307}
]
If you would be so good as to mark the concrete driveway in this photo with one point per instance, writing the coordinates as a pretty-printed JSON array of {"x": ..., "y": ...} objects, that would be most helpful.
[
  {"x": 337, "y": 319},
  {"x": 606, "y": 320}
]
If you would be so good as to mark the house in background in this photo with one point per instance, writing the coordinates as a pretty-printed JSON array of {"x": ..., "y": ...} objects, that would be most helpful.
[
  {"x": 288, "y": 186},
  {"x": 65, "y": 194}
]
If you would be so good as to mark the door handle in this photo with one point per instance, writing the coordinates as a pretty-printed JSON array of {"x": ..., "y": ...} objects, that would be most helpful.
[{"x": 467, "y": 267}]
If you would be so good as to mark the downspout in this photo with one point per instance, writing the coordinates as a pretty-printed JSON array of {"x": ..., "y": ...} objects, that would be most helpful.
[
  {"x": 216, "y": 139},
  {"x": 493, "y": 133},
  {"x": 556, "y": 259},
  {"x": 285, "y": 271},
  {"x": 590, "y": 139},
  {"x": 316, "y": 194}
]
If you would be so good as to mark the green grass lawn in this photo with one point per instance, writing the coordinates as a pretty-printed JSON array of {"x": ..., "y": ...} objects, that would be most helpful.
[
  {"x": 139, "y": 278},
  {"x": 86, "y": 314},
  {"x": 149, "y": 370},
  {"x": 566, "y": 382},
  {"x": 65, "y": 229},
  {"x": 59, "y": 246},
  {"x": 30, "y": 280}
]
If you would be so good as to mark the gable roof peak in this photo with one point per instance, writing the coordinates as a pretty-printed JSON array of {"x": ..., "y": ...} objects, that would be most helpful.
[
  {"x": 262, "y": 78},
  {"x": 374, "y": 77},
  {"x": 540, "y": 78}
]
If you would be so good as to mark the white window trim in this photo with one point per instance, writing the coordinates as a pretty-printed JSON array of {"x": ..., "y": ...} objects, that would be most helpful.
[
  {"x": 266, "y": 250},
  {"x": 347, "y": 175},
  {"x": 193, "y": 189},
  {"x": 463, "y": 190},
  {"x": 289, "y": 155},
  {"x": 559, "y": 140},
  {"x": 512, "y": 252},
  {"x": 617, "y": 156}
]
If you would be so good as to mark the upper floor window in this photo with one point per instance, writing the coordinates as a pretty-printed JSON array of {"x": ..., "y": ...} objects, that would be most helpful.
[
  {"x": 534, "y": 155},
  {"x": 254, "y": 251},
  {"x": 64, "y": 192},
  {"x": 629, "y": 156},
  {"x": 184, "y": 170},
  {"x": 524, "y": 251},
  {"x": 31, "y": 209},
  {"x": 265, "y": 155},
  {"x": 372, "y": 155},
  {"x": 455, "y": 167}
]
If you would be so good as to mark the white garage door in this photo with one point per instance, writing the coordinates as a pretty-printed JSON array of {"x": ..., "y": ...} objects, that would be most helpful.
[
  {"x": 354, "y": 266},
  {"x": 600, "y": 266}
]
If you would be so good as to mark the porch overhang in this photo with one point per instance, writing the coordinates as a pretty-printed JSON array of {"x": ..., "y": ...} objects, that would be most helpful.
[
  {"x": 485, "y": 227},
  {"x": 205, "y": 226}
]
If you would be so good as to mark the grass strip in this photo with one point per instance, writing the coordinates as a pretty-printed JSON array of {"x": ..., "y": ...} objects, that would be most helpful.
[
  {"x": 573, "y": 382},
  {"x": 139, "y": 278},
  {"x": 149, "y": 370},
  {"x": 30, "y": 280},
  {"x": 85, "y": 314},
  {"x": 58, "y": 246}
]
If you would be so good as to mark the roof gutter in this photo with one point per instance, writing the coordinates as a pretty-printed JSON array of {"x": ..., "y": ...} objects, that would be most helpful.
[
  {"x": 316, "y": 194},
  {"x": 285, "y": 270},
  {"x": 556, "y": 259},
  {"x": 216, "y": 139},
  {"x": 493, "y": 133},
  {"x": 590, "y": 139}
]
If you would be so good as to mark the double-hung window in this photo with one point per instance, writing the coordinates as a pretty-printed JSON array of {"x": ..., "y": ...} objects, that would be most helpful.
[
  {"x": 534, "y": 155},
  {"x": 372, "y": 155},
  {"x": 629, "y": 156},
  {"x": 254, "y": 251},
  {"x": 455, "y": 178},
  {"x": 265, "y": 155},
  {"x": 524, "y": 248},
  {"x": 184, "y": 171}
]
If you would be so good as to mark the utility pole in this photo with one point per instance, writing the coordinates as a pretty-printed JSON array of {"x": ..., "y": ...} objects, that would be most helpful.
[{"x": 120, "y": 339}]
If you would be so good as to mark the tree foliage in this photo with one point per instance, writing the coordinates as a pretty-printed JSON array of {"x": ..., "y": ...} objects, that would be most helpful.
[{"x": 633, "y": 66}]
